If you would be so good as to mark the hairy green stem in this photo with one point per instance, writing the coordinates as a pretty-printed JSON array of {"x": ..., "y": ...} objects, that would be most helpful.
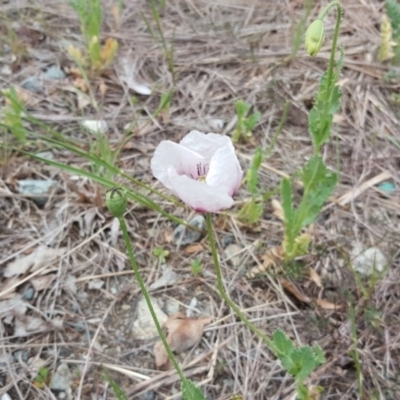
[
  {"x": 221, "y": 288},
  {"x": 147, "y": 298},
  {"x": 331, "y": 60}
]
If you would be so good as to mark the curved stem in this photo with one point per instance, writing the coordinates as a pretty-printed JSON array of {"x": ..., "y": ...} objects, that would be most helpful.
[
  {"x": 221, "y": 288},
  {"x": 147, "y": 298}
]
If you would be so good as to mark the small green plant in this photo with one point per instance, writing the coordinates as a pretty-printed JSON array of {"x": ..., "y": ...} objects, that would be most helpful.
[
  {"x": 97, "y": 57},
  {"x": 390, "y": 33},
  {"x": 161, "y": 254},
  {"x": 196, "y": 267},
  {"x": 245, "y": 123},
  {"x": 42, "y": 379},
  {"x": 299, "y": 362},
  {"x": 252, "y": 210},
  {"x": 12, "y": 114},
  {"x": 318, "y": 181}
]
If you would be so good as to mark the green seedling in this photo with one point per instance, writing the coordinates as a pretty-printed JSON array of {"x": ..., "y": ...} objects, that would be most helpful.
[
  {"x": 12, "y": 114},
  {"x": 161, "y": 254},
  {"x": 196, "y": 267},
  {"x": 245, "y": 123},
  {"x": 97, "y": 57},
  {"x": 42, "y": 379},
  {"x": 252, "y": 210},
  {"x": 299, "y": 362}
]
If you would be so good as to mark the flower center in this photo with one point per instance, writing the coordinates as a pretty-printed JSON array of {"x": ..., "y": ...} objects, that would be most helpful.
[{"x": 201, "y": 173}]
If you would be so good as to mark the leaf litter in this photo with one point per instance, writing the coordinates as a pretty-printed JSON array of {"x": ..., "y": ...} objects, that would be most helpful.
[{"x": 182, "y": 334}]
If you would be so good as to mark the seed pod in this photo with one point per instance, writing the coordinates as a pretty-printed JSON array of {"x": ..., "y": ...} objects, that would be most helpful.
[
  {"x": 314, "y": 37},
  {"x": 116, "y": 201}
]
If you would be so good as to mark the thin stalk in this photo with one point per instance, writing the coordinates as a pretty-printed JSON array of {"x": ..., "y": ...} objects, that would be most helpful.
[
  {"x": 331, "y": 60},
  {"x": 221, "y": 288},
  {"x": 147, "y": 298}
]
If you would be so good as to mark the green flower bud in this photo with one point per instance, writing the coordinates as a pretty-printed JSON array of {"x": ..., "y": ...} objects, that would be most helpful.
[
  {"x": 314, "y": 38},
  {"x": 116, "y": 201}
]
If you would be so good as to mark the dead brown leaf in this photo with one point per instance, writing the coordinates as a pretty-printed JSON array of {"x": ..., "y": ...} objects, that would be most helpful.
[
  {"x": 183, "y": 333},
  {"x": 295, "y": 291},
  {"x": 42, "y": 282},
  {"x": 327, "y": 305},
  {"x": 193, "y": 248},
  {"x": 315, "y": 277},
  {"x": 270, "y": 259},
  {"x": 40, "y": 257}
]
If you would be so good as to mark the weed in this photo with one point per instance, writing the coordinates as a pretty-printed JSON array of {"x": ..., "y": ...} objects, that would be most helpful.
[
  {"x": 97, "y": 57},
  {"x": 196, "y": 267},
  {"x": 161, "y": 254},
  {"x": 245, "y": 123}
]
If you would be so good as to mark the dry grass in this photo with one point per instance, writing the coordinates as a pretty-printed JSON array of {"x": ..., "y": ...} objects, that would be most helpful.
[{"x": 224, "y": 50}]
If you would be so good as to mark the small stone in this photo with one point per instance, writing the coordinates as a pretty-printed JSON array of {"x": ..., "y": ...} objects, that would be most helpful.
[
  {"x": 36, "y": 187},
  {"x": 61, "y": 381},
  {"x": 227, "y": 240},
  {"x": 149, "y": 395},
  {"x": 21, "y": 355},
  {"x": 144, "y": 327},
  {"x": 184, "y": 236},
  {"x": 54, "y": 73},
  {"x": 366, "y": 261},
  {"x": 28, "y": 294},
  {"x": 168, "y": 278},
  {"x": 95, "y": 126},
  {"x": 5, "y": 70},
  {"x": 172, "y": 306},
  {"x": 232, "y": 254},
  {"x": 33, "y": 84}
]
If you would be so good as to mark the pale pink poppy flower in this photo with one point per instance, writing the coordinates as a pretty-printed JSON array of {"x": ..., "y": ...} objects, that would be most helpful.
[{"x": 202, "y": 170}]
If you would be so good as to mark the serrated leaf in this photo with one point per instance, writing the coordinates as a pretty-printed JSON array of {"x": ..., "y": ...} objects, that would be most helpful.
[
  {"x": 318, "y": 355},
  {"x": 304, "y": 361},
  {"x": 281, "y": 345},
  {"x": 319, "y": 183},
  {"x": 190, "y": 391}
]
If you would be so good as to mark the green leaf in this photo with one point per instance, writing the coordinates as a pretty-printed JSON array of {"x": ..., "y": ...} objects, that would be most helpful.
[
  {"x": 251, "y": 121},
  {"x": 393, "y": 11},
  {"x": 281, "y": 344},
  {"x": 190, "y": 391},
  {"x": 252, "y": 172},
  {"x": 242, "y": 109},
  {"x": 327, "y": 102},
  {"x": 319, "y": 183}
]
